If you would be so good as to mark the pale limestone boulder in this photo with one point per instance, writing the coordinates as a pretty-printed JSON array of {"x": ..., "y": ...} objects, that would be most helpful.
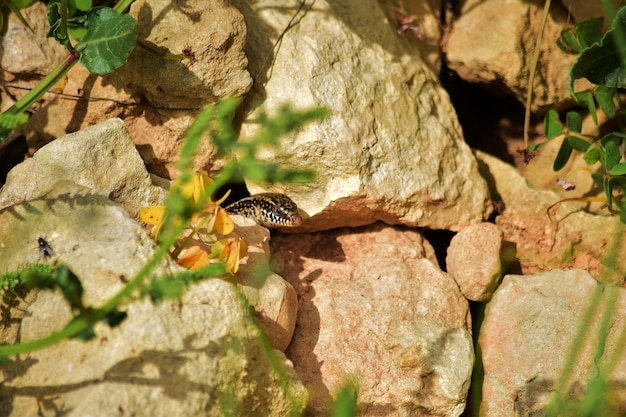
[
  {"x": 565, "y": 237},
  {"x": 392, "y": 150},
  {"x": 101, "y": 157},
  {"x": 493, "y": 42},
  {"x": 529, "y": 327},
  {"x": 375, "y": 309},
  {"x": 473, "y": 260},
  {"x": 185, "y": 353}
]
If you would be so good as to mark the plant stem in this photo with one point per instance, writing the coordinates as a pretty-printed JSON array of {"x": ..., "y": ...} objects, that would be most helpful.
[{"x": 43, "y": 86}]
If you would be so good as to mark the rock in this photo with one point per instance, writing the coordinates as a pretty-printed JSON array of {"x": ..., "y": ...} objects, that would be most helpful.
[
  {"x": 375, "y": 308},
  {"x": 529, "y": 327},
  {"x": 566, "y": 238},
  {"x": 219, "y": 37},
  {"x": 273, "y": 298},
  {"x": 172, "y": 348},
  {"x": 392, "y": 150},
  {"x": 473, "y": 260},
  {"x": 102, "y": 157},
  {"x": 174, "y": 93},
  {"x": 27, "y": 50},
  {"x": 492, "y": 42}
]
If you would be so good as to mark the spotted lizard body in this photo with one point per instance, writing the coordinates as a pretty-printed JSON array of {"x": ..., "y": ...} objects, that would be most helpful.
[{"x": 268, "y": 209}]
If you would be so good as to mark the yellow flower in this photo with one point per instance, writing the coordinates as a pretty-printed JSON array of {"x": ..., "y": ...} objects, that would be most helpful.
[
  {"x": 153, "y": 215},
  {"x": 194, "y": 258},
  {"x": 230, "y": 250}
]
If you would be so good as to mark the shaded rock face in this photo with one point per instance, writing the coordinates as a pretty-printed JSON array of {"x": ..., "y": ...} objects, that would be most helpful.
[
  {"x": 529, "y": 327},
  {"x": 392, "y": 149},
  {"x": 375, "y": 308},
  {"x": 492, "y": 42}
]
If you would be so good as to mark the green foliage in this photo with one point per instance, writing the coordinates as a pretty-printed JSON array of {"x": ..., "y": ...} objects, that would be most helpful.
[
  {"x": 601, "y": 61},
  {"x": 345, "y": 404},
  {"x": 109, "y": 40}
]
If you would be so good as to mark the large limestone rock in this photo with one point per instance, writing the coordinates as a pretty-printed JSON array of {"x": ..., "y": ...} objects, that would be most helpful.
[
  {"x": 101, "y": 157},
  {"x": 492, "y": 42},
  {"x": 527, "y": 335},
  {"x": 392, "y": 150},
  {"x": 375, "y": 308}
]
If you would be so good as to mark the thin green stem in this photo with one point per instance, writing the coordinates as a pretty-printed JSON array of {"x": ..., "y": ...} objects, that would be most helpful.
[
  {"x": 123, "y": 6},
  {"x": 533, "y": 69},
  {"x": 44, "y": 85}
]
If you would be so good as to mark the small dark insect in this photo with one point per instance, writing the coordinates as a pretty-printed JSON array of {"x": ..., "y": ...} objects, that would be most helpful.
[{"x": 44, "y": 247}]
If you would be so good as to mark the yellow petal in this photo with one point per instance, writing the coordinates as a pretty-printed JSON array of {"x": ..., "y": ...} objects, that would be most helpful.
[
  {"x": 223, "y": 223},
  {"x": 152, "y": 214},
  {"x": 194, "y": 258},
  {"x": 231, "y": 250}
]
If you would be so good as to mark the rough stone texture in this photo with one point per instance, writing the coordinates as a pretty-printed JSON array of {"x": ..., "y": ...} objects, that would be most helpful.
[
  {"x": 473, "y": 260},
  {"x": 273, "y": 298},
  {"x": 219, "y": 36},
  {"x": 566, "y": 238},
  {"x": 493, "y": 42},
  {"x": 392, "y": 150},
  {"x": 374, "y": 307},
  {"x": 529, "y": 327},
  {"x": 102, "y": 157},
  {"x": 176, "y": 358},
  {"x": 176, "y": 87},
  {"x": 181, "y": 358},
  {"x": 28, "y": 51}
]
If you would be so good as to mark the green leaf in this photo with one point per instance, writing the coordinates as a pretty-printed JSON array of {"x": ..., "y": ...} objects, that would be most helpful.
[
  {"x": 82, "y": 5},
  {"x": 619, "y": 169},
  {"x": 77, "y": 32},
  {"x": 552, "y": 125},
  {"x": 597, "y": 178},
  {"x": 574, "y": 121},
  {"x": 577, "y": 143},
  {"x": 622, "y": 215},
  {"x": 601, "y": 63},
  {"x": 562, "y": 156},
  {"x": 536, "y": 146},
  {"x": 54, "y": 19},
  {"x": 611, "y": 155},
  {"x": 592, "y": 155},
  {"x": 604, "y": 96},
  {"x": 345, "y": 404},
  {"x": 21, "y": 4},
  {"x": 110, "y": 39},
  {"x": 585, "y": 99},
  {"x": 114, "y": 318},
  {"x": 575, "y": 39}
]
